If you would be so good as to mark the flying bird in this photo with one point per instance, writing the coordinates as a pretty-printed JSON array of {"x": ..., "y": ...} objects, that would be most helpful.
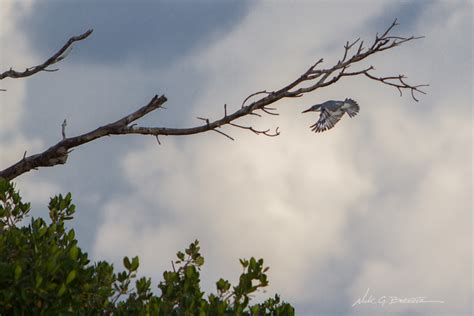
[{"x": 331, "y": 112}]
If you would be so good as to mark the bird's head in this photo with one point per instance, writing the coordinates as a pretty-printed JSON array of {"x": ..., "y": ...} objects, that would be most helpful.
[{"x": 314, "y": 108}]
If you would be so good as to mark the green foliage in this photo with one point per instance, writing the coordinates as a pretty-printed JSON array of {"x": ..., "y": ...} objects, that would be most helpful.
[{"x": 44, "y": 272}]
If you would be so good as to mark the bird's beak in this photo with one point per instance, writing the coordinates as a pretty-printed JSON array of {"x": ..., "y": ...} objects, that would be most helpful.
[{"x": 308, "y": 110}]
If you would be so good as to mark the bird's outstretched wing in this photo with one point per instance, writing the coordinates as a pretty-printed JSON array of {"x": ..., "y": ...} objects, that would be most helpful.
[
  {"x": 326, "y": 121},
  {"x": 353, "y": 107}
]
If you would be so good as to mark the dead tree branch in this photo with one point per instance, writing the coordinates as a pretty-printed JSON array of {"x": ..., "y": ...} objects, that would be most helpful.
[
  {"x": 57, "y": 57},
  {"x": 381, "y": 43},
  {"x": 314, "y": 79}
]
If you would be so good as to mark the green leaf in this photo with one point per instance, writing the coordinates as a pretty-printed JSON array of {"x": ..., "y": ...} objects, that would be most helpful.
[
  {"x": 62, "y": 289},
  {"x": 71, "y": 235},
  {"x": 63, "y": 203},
  {"x": 18, "y": 271},
  {"x": 122, "y": 276},
  {"x": 253, "y": 263},
  {"x": 71, "y": 276},
  {"x": 135, "y": 264},
  {"x": 254, "y": 310},
  {"x": 244, "y": 262},
  {"x": 38, "y": 280},
  {"x": 126, "y": 263},
  {"x": 199, "y": 260},
  {"x": 223, "y": 285},
  {"x": 190, "y": 271},
  {"x": 73, "y": 252},
  {"x": 53, "y": 228},
  {"x": 43, "y": 231}
]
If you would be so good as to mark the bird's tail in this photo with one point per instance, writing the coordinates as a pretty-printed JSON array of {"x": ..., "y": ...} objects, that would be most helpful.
[{"x": 353, "y": 109}]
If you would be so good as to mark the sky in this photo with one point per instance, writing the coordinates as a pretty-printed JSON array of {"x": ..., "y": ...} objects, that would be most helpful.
[{"x": 380, "y": 204}]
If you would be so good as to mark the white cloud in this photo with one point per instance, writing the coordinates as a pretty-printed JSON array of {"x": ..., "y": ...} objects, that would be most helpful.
[
  {"x": 422, "y": 230},
  {"x": 12, "y": 143},
  {"x": 273, "y": 198},
  {"x": 422, "y": 227},
  {"x": 16, "y": 56},
  {"x": 287, "y": 199},
  {"x": 386, "y": 193},
  {"x": 37, "y": 192}
]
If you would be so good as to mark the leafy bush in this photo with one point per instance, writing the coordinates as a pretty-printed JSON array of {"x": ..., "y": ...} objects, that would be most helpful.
[{"x": 44, "y": 272}]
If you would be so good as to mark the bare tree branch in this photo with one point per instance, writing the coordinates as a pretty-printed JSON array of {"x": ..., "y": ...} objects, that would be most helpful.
[
  {"x": 401, "y": 84},
  {"x": 224, "y": 134},
  {"x": 58, "y": 56},
  {"x": 252, "y": 95},
  {"x": 381, "y": 43},
  {"x": 258, "y": 132},
  {"x": 58, "y": 153},
  {"x": 313, "y": 78}
]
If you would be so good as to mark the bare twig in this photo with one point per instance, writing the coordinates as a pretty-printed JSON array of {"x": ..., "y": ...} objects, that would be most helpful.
[
  {"x": 58, "y": 56},
  {"x": 258, "y": 132},
  {"x": 224, "y": 134},
  {"x": 203, "y": 119},
  {"x": 347, "y": 48},
  {"x": 268, "y": 110},
  {"x": 63, "y": 128},
  {"x": 51, "y": 70},
  {"x": 401, "y": 84},
  {"x": 254, "y": 94},
  {"x": 311, "y": 69}
]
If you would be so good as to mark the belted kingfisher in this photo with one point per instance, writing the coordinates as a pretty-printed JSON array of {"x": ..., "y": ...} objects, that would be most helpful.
[{"x": 331, "y": 112}]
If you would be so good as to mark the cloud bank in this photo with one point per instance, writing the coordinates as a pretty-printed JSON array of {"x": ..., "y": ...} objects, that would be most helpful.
[{"x": 381, "y": 202}]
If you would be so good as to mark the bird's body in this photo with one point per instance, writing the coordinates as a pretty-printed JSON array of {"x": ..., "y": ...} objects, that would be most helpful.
[{"x": 331, "y": 112}]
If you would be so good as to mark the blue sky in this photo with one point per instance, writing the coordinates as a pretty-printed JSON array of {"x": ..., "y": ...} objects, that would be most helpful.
[{"x": 382, "y": 201}]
